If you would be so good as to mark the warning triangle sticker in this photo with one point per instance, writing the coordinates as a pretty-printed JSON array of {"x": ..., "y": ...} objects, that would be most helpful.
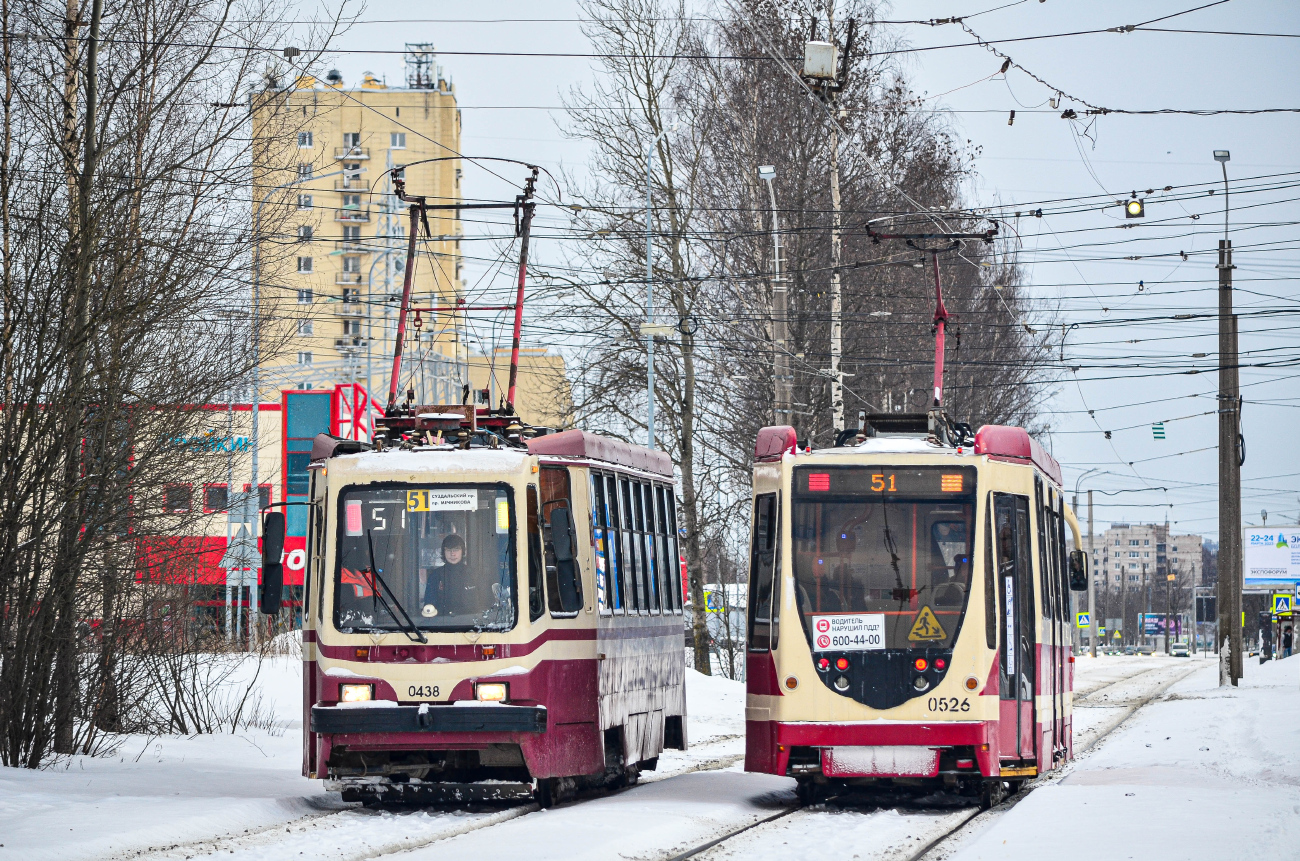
[{"x": 926, "y": 626}]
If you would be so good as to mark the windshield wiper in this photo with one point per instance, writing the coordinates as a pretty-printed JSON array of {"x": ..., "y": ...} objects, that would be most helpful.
[
  {"x": 412, "y": 632},
  {"x": 900, "y": 593}
]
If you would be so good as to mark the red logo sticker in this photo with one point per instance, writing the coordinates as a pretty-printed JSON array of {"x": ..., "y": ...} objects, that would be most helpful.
[
  {"x": 823, "y": 625},
  {"x": 823, "y": 642}
]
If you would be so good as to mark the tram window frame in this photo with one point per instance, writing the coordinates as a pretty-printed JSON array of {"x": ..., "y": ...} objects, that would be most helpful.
[
  {"x": 615, "y": 501},
  {"x": 612, "y": 600},
  {"x": 647, "y": 508},
  {"x": 675, "y": 549},
  {"x": 990, "y": 582},
  {"x": 556, "y": 486},
  {"x": 628, "y": 508},
  {"x": 1019, "y": 554},
  {"x": 765, "y": 542},
  {"x": 536, "y": 559},
  {"x": 661, "y": 548}
]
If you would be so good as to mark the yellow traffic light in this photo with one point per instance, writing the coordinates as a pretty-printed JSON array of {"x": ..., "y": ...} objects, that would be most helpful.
[{"x": 1135, "y": 208}]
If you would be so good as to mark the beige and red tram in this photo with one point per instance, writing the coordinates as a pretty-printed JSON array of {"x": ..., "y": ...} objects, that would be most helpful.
[
  {"x": 909, "y": 612},
  {"x": 490, "y": 621}
]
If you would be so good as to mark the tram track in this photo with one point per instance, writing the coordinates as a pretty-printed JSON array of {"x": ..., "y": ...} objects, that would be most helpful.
[
  {"x": 265, "y": 839},
  {"x": 966, "y": 820}
]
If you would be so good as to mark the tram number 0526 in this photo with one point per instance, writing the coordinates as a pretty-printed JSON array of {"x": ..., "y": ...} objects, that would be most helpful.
[
  {"x": 425, "y": 691},
  {"x": 948, "y": 704}
]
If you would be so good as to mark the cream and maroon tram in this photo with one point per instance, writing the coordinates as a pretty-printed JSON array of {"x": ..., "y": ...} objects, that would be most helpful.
[
  {"x": 909, "y": 611},
  {"x": 489, "y": 621}
]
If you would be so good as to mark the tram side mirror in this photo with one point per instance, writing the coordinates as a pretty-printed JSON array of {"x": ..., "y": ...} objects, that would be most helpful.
[
  {"x": 1078, "y": 571},
  {"x": 272, "y": 570}
]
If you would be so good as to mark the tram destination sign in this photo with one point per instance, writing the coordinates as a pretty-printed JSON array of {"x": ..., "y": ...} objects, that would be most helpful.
[
  {"x": 915, "y": 482},
  {"x": 1271, "y": 556},
  {"x": 848, "y": 632}
]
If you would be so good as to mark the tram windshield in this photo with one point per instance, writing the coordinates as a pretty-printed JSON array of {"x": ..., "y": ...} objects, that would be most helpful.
[
  {"x": 440, "y": 556},
  {"x": 883, "y": 551}
]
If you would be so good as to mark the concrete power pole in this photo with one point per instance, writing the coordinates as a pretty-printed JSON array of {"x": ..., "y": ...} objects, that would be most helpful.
[
  {"x": 837, "y": 326},
  {"x": 1228, "y": 585}
]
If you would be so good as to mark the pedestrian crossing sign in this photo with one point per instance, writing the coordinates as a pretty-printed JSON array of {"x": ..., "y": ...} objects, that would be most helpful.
[
  {"x": 1281, "y": 603},
  {"x": 1158, "y": 430},
  {"x": 1083, "y": 621}
]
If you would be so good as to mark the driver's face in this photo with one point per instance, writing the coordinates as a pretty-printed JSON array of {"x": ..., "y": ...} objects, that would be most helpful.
[{"x": 453, "y": 555}]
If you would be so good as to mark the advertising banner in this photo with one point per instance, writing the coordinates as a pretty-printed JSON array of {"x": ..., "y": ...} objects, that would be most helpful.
[{"x": 1271, "y": 557}]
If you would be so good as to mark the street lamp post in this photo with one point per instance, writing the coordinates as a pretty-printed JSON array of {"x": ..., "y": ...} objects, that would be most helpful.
[
  {"x": 1092, "y": 581},
  {"x": 780, "y": 336},
  {"x": 650, "y": 288}
]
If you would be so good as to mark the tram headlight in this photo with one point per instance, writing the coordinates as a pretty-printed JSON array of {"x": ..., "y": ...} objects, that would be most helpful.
[
  {"x": 356, "y": 693},
  {"x": 491, "y": 692},
  {"x": 841, "y": 683},
  {"x": 920, "y": 683},
  {"x": 920, "y": 664}
]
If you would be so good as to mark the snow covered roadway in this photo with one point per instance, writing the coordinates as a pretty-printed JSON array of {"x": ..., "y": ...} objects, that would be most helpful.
[{"x": 1166, "y": 761}]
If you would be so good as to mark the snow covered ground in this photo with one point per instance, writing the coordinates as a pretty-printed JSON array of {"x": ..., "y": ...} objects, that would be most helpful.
[
  {"x": 1172, "y": 776},
  {"x": 1204, "y": 773}
]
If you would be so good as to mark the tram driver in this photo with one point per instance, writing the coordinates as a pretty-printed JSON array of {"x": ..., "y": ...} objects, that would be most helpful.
[{"x": 452, "y": 588}]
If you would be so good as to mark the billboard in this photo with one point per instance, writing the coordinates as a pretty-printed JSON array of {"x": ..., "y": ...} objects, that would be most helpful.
[{"x": 1271, "y": 557}]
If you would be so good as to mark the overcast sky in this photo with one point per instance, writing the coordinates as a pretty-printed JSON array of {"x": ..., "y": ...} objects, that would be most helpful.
[{"x": 1074, "y": 262}]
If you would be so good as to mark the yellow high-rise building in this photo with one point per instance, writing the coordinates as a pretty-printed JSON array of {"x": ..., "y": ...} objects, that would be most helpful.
[{"x": 333, "y": 239}]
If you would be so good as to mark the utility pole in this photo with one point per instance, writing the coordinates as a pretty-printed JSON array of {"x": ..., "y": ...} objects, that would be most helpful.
[
  {"x": 1146, "y": 603},
  {"x": 825, "y": 74},
  {"x": 1228, "y": 585}
]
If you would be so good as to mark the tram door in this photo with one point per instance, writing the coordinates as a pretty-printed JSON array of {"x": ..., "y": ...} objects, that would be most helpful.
[{"x": 1016, "y": 659}]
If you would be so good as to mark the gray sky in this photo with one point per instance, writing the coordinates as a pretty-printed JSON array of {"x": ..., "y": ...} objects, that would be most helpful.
[{"x": 1073, "y": 261}]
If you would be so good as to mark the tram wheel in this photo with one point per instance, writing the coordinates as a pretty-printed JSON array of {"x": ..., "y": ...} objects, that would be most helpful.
[
  {"x": 809, "y": 792},
  {"x": 546, "y": 792},
  {"x": 992, "y": 793}
]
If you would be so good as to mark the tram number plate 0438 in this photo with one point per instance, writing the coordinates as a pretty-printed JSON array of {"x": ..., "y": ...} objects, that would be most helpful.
[
  {"x": 422, "y": 692},
  {"x": 848, "y": 632}
]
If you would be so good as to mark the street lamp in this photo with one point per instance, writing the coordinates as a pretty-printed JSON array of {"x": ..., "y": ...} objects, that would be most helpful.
[
  {"x": 1222, "y": 156},
  {"x": 650, "y": 288}
]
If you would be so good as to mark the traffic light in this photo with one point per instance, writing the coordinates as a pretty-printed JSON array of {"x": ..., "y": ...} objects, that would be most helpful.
[{"x": 1135, "y": 208}]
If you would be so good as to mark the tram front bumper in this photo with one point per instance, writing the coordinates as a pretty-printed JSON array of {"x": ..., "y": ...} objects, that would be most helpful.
[{"x": 351, "y": 720}]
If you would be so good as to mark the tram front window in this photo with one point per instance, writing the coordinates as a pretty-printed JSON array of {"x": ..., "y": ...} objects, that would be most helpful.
[
  {"x": 882, "y": 557},
  {"x": 440, "y": 556}
]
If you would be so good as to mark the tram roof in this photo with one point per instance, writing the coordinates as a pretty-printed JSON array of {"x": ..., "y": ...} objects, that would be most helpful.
[
  {"x": 581, "y": 444},
  {"x": 998, "y": 442}
]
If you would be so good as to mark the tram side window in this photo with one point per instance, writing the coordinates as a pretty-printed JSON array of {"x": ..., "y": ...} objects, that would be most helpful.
[
  {"x": 536, "y": 600},
  {"x": 559, "y": 530},
  {"x": 645, "y": 510},
  {"x": 762, "y": 564},
  {"x": 1062, "y": 562},
  {"x": 606, "y": 542}
]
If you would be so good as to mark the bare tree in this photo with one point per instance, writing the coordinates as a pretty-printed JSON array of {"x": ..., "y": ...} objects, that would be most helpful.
[
  {"x": 123, "y": 218},
  {"x": 729, "y": 84}
]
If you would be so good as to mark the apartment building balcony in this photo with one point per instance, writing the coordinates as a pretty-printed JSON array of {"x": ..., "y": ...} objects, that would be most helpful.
[
  {"x": 350, "y": 345},
  {"x": 344, "y": 184},
  {"x": 348, "y": 278},
  {"x": 351, "y": 216},
  {"x": 355, "y": 247},
  {"x": 351, "y": 153},
  {"x": 350, "y": 309}
]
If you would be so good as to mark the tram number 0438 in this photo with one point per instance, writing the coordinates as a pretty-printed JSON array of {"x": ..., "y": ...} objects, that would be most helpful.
[
  {"x": 425, "y": 691},
  {"x": 948, "y": 704}
]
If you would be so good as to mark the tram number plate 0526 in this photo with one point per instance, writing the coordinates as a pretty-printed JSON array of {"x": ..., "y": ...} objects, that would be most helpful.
[{"x": 848, "y": 632}]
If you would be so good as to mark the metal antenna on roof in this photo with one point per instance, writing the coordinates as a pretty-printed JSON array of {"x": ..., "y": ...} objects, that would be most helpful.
[{"x": 941, "y": 427}]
